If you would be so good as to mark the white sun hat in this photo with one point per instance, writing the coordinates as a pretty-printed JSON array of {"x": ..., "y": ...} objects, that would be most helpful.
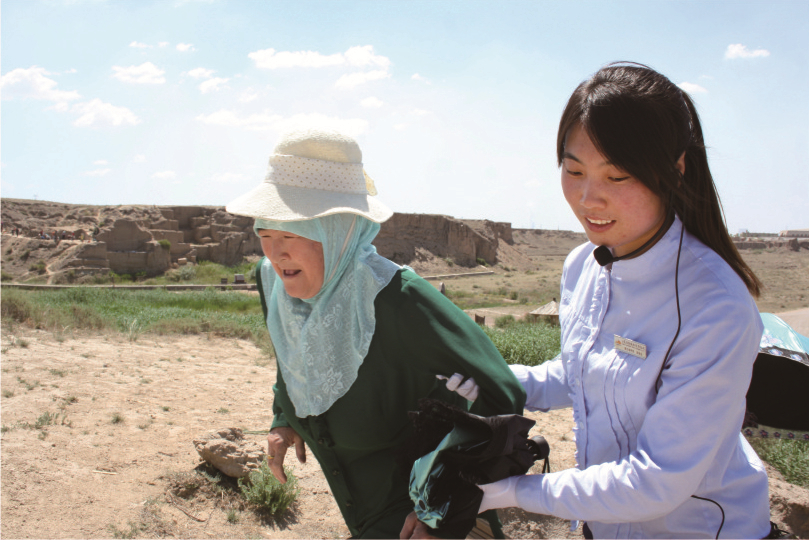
[{"x": 313, "y": 173}]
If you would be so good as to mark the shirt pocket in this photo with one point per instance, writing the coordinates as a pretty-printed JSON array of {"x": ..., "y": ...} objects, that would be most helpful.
[{"x": 631, "y": 397}]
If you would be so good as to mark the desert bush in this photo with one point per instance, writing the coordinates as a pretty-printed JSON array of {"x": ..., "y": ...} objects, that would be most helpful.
[
  {"x": 5, "y": 276},
  {"x": 526, "y": 343},
  {"x": 16, "y": 305},
  {"x": 789, "y": 457},
  {"x": 226, "y": 314},
  {"x": 262, "y": 489},
  {"x": 165, "y": 244},
  {"x": 184, "y": 273},
  {"x": 504, "y": 320}
]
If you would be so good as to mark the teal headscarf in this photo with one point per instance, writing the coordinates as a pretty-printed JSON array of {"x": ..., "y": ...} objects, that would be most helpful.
[{"x": 320, "y": 342}]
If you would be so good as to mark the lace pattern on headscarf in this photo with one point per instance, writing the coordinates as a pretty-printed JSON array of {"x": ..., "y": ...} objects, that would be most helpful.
[{"x": 320, "y": 342}]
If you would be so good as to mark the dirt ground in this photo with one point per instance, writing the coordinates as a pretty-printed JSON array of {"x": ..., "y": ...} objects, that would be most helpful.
[
  {"x": 98, "y": 430},
  {"x": 120, "y": 420}
]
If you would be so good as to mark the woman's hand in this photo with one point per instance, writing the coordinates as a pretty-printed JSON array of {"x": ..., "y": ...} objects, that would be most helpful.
[
  {"x": 413, "y": 528},
  {"x": 278, "y": 441},
  {"x": 468, "y": 388}
]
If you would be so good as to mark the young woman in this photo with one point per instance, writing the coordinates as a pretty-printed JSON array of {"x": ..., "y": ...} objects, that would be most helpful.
[{"x": 659, "y": 329}]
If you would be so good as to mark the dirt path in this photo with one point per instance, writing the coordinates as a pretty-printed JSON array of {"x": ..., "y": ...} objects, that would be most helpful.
[
  {"x": 97, "y": 428},
  {"x": 120, "y": 420}
]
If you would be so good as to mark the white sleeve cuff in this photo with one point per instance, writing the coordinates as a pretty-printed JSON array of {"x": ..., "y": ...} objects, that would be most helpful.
[{"x": 500, "y": 494}]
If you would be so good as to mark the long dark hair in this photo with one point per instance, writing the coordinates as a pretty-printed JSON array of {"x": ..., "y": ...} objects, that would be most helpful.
[{"x": 642, "y": 123}]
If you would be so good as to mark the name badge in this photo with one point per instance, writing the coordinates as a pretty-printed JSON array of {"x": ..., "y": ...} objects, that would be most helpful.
[{"x": 631, "y": 347}]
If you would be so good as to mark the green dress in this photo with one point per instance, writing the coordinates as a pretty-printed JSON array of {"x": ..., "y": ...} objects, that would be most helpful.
[{"x": 419, "y": 334}]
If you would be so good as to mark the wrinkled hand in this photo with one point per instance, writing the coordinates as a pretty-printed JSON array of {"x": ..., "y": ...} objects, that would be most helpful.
[
  {"x": 468, "y": 389},
  {"x": 413, "y": 528},
  {"x": 278, "y": 441}
]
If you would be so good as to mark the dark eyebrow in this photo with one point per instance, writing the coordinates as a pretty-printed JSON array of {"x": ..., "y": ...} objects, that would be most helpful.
[{"x": 568, "y": 155}]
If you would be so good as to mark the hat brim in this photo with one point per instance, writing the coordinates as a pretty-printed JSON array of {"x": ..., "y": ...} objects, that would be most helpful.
[{"x": 278, "y": 202}]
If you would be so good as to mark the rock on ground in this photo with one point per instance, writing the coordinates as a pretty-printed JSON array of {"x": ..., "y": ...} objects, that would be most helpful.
[{"x": 228, "y": 451}]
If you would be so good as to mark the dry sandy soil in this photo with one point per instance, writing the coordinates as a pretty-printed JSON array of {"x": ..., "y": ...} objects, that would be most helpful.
[
  {"x": 119, "y": 447},
  {"x": 114, "y": 456},
  {"x": 98, "y": 430}
]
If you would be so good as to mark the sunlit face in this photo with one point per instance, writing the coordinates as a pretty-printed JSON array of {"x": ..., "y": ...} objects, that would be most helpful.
[
  {"x": 616, "y": 209},
  {"x": 297, "y": 260}
]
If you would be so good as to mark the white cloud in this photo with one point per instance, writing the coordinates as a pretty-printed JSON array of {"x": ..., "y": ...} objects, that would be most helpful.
[
  {"x": 100, "y": 162},
  {"x": 353, "y": 127},
  {"x": 200, "y": 73},
  {"x": 417, "y": 77},
  {"x": 419, "y": 112},
  {"x": 371, "y": 102},
  {"x": 146, "y": 73},
  {"x": 248, "y": 96},
  {"x": 737, "y": 50},
  {"x": 692, "y": 88},
  {"x": 185, "y": 47},
  {"x": 140, "y": 158},
  {"x": 139, "y": 45},
  {"x": 228, "y": 178},
  {"x": 354, "y": 56},
  {"x": 163, "y": 44},
  {"x": 32, "y": 83},
  {"x": 97, "y": 172},
  {"x": 267, "y": 121},
  {"x": 351, "y": 80},
  {"x": 61, "y": 106},
  {"x": 164, "y": 175},
  {"x": 212, "y": 85},
  {"x": 364, "y": 56},
  {"x": 269, "y": 59},
  {"x": 97, "y": 113},
  {"x": 256, "y": 122}
]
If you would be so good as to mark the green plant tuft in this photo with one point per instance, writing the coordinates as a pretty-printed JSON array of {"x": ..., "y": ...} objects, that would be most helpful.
[{"x": 262, "y": 489}]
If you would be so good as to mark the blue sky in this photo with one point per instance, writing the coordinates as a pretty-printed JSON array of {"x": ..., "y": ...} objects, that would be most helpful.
[{"x": 455, "y": 104}]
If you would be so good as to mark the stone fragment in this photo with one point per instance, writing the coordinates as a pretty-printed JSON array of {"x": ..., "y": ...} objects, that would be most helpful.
[{"x": 228, "y": 451}]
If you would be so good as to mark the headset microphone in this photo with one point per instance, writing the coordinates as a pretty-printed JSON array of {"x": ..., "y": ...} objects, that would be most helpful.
[{"x": 604, "y": 256}]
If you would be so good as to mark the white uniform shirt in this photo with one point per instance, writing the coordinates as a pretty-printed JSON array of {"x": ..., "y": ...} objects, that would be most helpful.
[{"x": 641, "y": 455}]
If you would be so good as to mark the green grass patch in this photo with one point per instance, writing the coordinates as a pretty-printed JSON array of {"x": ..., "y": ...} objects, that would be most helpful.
[
  {"x": 789, "y": 457},
  {"x": 526, "y": 343},
  {"x": 132, "y": 312},
  {"x": 263, "y": 490}
]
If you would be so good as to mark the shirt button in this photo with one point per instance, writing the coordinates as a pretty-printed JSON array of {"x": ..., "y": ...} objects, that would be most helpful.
[
  {"x": 320, "y": 442},
  {"x": 335, "y": 472},
  {"x": 349, "y": 505}
]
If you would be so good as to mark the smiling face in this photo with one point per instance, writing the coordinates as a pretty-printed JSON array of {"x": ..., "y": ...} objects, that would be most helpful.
[
  {"x": 298, "y": 261},
  {"x": 616, "y": 209}
]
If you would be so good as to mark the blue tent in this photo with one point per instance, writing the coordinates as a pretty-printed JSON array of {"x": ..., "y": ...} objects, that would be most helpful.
[{"x": 778, "y": 397}]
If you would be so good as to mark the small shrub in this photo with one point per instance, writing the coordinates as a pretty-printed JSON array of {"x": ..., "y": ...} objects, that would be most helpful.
[
  {"x": 789, "y": 457},
  {"x": 165, "y": 244},
  {"x": 481, "y": 262},
  {"x": 513, "y": 295},
  {"x": 504, "y": 320},
  {"x": 4, "y": 276},
  {"x": 449, "y": 262},
  {"x": 262, "y": 489},
  {"x": 117, "y": 418}
]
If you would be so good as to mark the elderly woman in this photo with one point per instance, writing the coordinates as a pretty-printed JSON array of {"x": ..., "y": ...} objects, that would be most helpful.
[{"x": 359, "y": 339}]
